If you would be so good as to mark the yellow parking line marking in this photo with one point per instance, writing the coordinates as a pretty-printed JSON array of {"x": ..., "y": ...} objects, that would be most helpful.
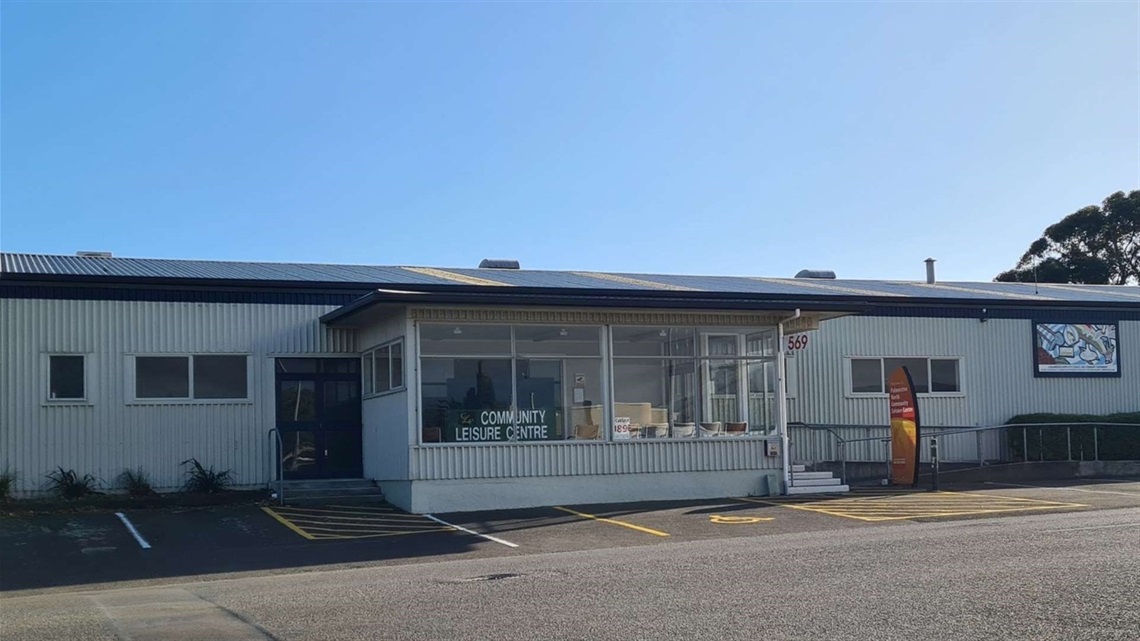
[
  {"x": 306, "y": 510},
  {"x": 929, "y": 505},
  {"x": 318, "y": 530},
  {"x": 284, "y": 521},
  {"x": 348, "y": 520},
  {"x": 330, "y": 537},
  {"x": 404, "y": 525},
  {"x": 1016, "y": 498},
  {"x": 613, "y": 522}
]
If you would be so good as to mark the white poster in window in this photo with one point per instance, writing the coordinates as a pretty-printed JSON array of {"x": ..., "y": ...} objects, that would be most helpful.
[{"x": 621, "y": 428}]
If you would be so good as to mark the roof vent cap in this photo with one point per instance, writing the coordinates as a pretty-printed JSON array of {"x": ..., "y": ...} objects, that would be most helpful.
[
  {"x": 83, "y": 254},
  {"x": 816, "y": 273},
  {"x": 498, "y": 263}
]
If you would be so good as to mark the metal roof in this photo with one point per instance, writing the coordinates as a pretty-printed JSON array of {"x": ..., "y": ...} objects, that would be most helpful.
[{"x": 77, "y": 269}]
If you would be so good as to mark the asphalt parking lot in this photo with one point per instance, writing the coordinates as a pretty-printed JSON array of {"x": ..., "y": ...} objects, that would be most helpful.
[{"x": 56, "y": 551}]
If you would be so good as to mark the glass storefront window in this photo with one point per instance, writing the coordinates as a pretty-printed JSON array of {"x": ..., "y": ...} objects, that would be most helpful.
[
  {"x": 455, "y": 392},
  {"x": 655, "y": 398},
  {"x": 546, "y": 385},
  {"x": 654, "y": 341},
  {"x": 500, "y": 383},
  {"x": 474, "y": 340}
]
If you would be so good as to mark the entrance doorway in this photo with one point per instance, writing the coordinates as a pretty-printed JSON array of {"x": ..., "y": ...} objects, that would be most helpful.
[{"x": 318, "y": 416}]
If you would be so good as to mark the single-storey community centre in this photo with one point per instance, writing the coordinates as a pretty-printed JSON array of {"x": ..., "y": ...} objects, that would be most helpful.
[{"x": 490, "y": 387}]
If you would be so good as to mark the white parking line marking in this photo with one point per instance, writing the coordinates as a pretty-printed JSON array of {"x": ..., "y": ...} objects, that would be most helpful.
[
  {"x": 131, "y": 528},
  {"x": 463, "y": 529},
  {"x": 1071, "y": 489}
]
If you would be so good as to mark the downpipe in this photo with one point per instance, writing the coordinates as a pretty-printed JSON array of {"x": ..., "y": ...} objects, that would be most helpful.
[{"x": 782, "y": 400}]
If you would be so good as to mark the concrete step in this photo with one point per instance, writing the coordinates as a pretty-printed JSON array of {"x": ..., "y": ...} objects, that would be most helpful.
[
  {"x": 335, "y": 491},
  {"x": 828, "y": 489},
  {"x": 815, "y": 482},
  {"x": 799, "y": 468},
  {"x": 350, "y": 499},
  {"x": 812, "y": 475}
]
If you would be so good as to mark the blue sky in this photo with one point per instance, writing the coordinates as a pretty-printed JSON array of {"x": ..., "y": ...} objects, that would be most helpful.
[{"x": 752, "y": 139}]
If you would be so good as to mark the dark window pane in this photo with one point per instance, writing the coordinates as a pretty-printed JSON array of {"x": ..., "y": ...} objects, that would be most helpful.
[
  {"x": 367, "y": 375},
  {"x": 297, "y": 365},
  {"x": 383, "y": 380},
  {"x": 342, "y": 455},
  {"x": 162, "y": 377},
  {"x": 458, "y": 340},
  {"x": 944, "y": 375},
  {"x": 456, "y": 391},
  {"x": 299, "y": 453},
  {"x": 297, "y": 401},
  {"x": 341, "y": 402},
  {"x": 220, "y": 377},
  {"x": 654, "y": 398},
  {"x": 398, "y": 364},
  {"x": 66, "y": 377},
  {"x": 340, "y": 365},
  {"x": 866, "y": 376},
  {"x": 554, "y": 340},
  {"x": 654, "y": 341},
  {"x": 917, "y": 368}
]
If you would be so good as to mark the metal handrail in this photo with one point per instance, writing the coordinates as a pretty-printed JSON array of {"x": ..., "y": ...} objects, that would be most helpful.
[
  {"x": 841, "y": 442},
  {"x": 841, "y": 445},
  {"x": 280, "y": 465}
]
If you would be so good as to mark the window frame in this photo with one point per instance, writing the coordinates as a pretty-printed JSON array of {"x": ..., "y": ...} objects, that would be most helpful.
[
  {"x": 368, "y": 389},
  {"x": 132, "y": 380},
  {"x": 848, "y": 382},
  {"x": 85, "y": 399}
]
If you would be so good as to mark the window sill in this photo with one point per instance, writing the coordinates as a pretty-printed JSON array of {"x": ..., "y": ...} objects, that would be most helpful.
[
  {"x": 67, "y": 402},
  {"x": 394, "y": 390},
  {"x": 919, "y": 394},
  {"x": 190, "y": 401},
  {"x": 598, "y": 441}
]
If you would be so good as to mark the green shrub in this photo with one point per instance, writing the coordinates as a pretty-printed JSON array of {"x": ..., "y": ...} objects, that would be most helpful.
[
  {"x": 136, "y": 483},
  {"x": 7, "y": 481},
  {"x": 201, "y": 480},
  {"x": 69, "y": 485},
  {"x": 1089, "y": 436}
]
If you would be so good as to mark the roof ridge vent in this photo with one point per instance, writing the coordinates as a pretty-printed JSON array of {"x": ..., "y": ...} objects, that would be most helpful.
[
  {"x": 499, "y": 263},
  {"x": 825, "y": 274},
  {"x": 83, "y": 254}
]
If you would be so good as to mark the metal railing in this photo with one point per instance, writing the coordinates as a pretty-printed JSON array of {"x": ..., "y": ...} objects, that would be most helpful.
[
  {"x": 1076, "y": 442},
  {"x": 276, "y": 447}
]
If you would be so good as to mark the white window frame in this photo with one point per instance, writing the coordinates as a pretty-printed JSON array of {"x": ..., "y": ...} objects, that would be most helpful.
[
  {"x": 85, "y": 399},
  {"x": 847, "y": 382},
  {"x": 132, "y": 373},
  {"x": 370, "y": 353}
]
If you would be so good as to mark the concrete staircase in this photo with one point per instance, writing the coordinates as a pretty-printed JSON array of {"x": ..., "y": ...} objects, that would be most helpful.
[
  {"x": 323, "y": 491},
  {"x": 804, "y": 482}
]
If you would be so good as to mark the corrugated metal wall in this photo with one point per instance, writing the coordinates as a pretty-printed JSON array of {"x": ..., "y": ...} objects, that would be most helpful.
[
  {"x": 387, "y": 429},
  {"x": 107, "y": 434},
  {"x": 996, "y": 372},
  {"x": 580, "y": 458}
]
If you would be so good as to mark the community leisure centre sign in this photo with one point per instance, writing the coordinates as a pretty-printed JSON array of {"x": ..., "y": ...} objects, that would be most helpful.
[{"x": 491, "y": 426}]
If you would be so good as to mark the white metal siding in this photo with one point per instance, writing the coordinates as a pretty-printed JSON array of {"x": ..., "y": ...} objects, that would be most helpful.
[
  {"x": 387, "y": 418},
  {"x": 573, "y": 459},
  {"x": 996, "y": 372},
  {"x": 107, "y": 435}
]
